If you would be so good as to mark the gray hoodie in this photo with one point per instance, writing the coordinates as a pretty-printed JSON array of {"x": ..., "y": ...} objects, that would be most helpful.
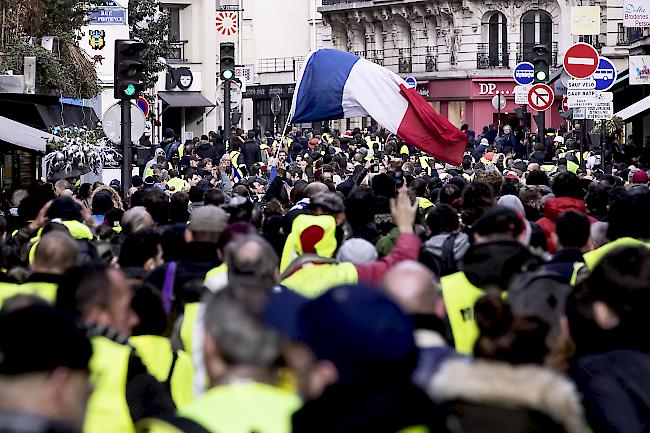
[{"x": 461, "y": 244}]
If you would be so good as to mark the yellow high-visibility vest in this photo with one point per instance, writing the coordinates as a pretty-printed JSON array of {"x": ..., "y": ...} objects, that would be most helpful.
[
  {"x": 314, "y": 279},
  {"x": 108, "y": 411},
  {"x": 460, "y": 296},
  {"x": 157, "y": 355}
]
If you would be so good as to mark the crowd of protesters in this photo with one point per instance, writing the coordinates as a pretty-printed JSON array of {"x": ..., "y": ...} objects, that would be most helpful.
[{"x": 328, "y": 281}]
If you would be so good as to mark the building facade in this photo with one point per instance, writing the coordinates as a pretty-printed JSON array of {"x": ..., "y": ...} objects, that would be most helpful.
[{"x": 463, "y": 52}]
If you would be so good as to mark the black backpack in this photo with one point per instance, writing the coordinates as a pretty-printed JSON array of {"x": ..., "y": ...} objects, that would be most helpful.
[{"x": 446, "y": 264}]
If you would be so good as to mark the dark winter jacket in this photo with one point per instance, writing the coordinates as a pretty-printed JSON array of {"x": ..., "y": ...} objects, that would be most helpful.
[
  {"x": 251, "y": 153},
  {"x": 615, "y": 388},
  {"x": 207, "y": 150},
  {"x": 486, "y": 396},
  {"x": 563, "y": 263}
]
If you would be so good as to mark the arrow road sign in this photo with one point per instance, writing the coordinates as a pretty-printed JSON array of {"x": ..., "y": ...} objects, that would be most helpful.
[
  {"x": 581, "y": 60},
  {"x": 540, "y": 97},
  {"x": 605, "y": 75},
  {"x": 524, "y": 73}
]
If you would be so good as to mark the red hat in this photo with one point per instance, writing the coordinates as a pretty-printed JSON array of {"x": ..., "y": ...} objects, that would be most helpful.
[
  {"x": 640, "y": 177},
  {"x": 314, "y": 141}
]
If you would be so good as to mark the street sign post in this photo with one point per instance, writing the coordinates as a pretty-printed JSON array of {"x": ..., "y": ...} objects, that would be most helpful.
[
  {"x": 499, "y": 103},
  {"x": 540, "y": 97},
  {"x": 605, "y": 75},
  {"x": 235, "y": 95},
  {"x": 524, "y": 73},
  {"x": 411, "y": 82},
  {"x": 581, "y": 60},
  {"x": 112, "y": 122}
]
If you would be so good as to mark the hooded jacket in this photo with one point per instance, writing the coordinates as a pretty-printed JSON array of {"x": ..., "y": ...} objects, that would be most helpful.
[
  {"x": 553, "y": 208},
  {"x": 507, "y": 398},
  {"x": 207, "y": 150},
  {"x": 432, "y": 249}
]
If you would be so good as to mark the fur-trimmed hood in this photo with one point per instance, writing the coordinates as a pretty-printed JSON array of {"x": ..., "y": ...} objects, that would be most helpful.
[{"x": 500, "y": 384}]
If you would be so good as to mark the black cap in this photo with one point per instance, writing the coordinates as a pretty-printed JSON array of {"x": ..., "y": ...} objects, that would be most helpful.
[{"x": 40, "y": 339}]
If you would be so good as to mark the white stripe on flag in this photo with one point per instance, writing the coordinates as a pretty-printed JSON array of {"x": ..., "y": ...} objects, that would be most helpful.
[{"x": 374, "y": 90}]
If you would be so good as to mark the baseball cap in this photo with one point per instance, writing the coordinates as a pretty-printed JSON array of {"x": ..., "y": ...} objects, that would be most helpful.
[
  {"x": 194, "y": 158},
  {"x": 484, "y": 141},
  {"x": 354, "y": 327},
  {"x": 640, "y": 177},
  {"x": 314, "y": 141},
  {"x": 558, "y": 139},
  {"x": 208, "y": 219},
  {"x": 40, "y": 339}
]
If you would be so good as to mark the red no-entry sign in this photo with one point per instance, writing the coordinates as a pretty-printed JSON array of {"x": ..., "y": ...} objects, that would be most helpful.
[
  {"x": 540, "y": 97},
  {"x": 581, "y": 60}
]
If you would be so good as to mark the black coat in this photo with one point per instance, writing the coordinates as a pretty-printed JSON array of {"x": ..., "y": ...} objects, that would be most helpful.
[
  {"x": 615, "y": 387},
  {"x": 251, "y": 153},
  {"x": 207, "y": 150}
]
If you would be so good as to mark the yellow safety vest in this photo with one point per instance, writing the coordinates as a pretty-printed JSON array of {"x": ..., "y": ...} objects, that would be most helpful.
[
  {"x": 76, "y": 229},
  {"x": 108, "y": 411},
  {"x": 424, "y": 203},
  {"x": 176, "y": 184},
  {"x": 157, "y": 355},
  {"x": 592, "y": 258},
  {"x": 460, "y": 296},
  {"x": 44, "y": 290},
  {"x": 234, "y": 158},
  {"x": 237, "y": 408},
  {"x": 187, "y": 327},
  {"x": 216, "y": 279},
  {"x": 313, "y": 279}
]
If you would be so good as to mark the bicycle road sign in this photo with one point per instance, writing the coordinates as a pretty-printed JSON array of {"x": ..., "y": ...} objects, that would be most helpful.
[{"x": 540, "y": 97}]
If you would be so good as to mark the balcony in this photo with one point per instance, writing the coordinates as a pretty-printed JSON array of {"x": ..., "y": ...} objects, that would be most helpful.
[
  {"x": 405, "y": 62},
  {"x": 177, "y": 52},
  {"x": 431, "y": 60},
  {"x": 375, "y": 56},
  {"x": 487, "y": 60},
  {"x": 629, "y": 35},
  {"x": 525, "y": 54},
  {"x": 278, "y": 64}
]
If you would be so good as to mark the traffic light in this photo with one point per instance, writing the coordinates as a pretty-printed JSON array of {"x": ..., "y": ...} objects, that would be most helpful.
[
  {"x": 540, "y": 63},
  {"x": 129, "y": 68},
  {"x": 227, "y": 61}
]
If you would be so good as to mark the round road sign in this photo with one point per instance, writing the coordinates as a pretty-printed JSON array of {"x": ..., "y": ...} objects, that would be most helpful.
[
  {"x": 499, "y": 102},
  {"x": 540, "y": 97},
  {"x": 581, "y": 60},
  {"x": 605, "y": 75},
  {"x": 524, "y": 73},
  {"x": 112, "y": 123},
  {"x": 144, "y": 105},
  {"x": 412, "y": 82}
]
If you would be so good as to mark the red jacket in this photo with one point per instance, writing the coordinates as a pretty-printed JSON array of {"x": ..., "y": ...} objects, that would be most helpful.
[{"x": 553, "y": 208}]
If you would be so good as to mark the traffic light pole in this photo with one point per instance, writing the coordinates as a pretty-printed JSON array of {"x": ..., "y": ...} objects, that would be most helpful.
[
  {"x": 226, "y": 110},
  {"x": 127, "y": 148},
  {"x": 541, "y": 127}
]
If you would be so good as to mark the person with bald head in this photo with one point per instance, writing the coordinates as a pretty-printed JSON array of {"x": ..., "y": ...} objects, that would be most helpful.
[{"x": 413, "y": 287}]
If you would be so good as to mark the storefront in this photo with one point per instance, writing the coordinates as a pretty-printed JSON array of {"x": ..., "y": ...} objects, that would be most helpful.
[
  {"x": 470, "y": 101},
  {"x": 261, "y": 96}
]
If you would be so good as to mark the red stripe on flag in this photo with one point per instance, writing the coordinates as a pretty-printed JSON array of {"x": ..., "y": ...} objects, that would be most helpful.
[{"x": 430, "y": 132}]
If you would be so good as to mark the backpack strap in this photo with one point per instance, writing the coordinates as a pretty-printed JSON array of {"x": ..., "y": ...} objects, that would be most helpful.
[
  {"x": 168, "y": 287},
  {"x": 168, "y": 381},
  {"x": 447, "y": 258}
]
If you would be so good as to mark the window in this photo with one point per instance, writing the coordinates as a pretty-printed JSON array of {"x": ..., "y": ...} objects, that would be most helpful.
[
  {"x": 536, "y": 28},
  {"x": 498, "y": 40},
  {"x": 174, "y": 23}
]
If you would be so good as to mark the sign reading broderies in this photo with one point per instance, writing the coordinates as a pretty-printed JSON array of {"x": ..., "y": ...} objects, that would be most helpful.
[
  {"x": 636, "y": 13},
  {"x": 540, "y": 97},
  {"x": 605, "y": 75},
  {"x": 524, "y": 73},
  {"x": 581, "y": 60}
]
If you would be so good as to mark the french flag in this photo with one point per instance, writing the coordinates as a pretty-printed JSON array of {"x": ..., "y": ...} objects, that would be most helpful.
[{"x": 338, "y": 85}]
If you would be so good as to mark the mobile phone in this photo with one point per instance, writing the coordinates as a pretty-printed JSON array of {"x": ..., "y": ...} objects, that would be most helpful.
[
  {"x": 399, "y": 179},
  {"x": 374, "y": 168}
]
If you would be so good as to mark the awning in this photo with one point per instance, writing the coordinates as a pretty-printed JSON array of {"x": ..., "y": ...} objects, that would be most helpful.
[
  {"x": 634, "y": 109},
  {"x": 22, "y": 135},
  {"x": 185, "y": 99}
]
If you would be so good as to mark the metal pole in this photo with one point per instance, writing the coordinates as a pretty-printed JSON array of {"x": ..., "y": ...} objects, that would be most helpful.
[
  {"x": 127, "y": 148},
  {"x": 226, "y": 110},
  {"x": 541, "y": 127},
  {"x": 602, "y": 145},
  {"x": 582, "y": 147}
]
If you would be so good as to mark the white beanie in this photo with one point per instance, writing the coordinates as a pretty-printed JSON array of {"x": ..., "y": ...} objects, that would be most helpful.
[{"x": 357, "y": 251}]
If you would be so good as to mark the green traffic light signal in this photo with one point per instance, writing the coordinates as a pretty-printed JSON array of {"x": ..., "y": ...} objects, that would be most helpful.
[
  {"x": 130, "y": 90},
  {"x": 228, "y": 74},
  {"x": 541, "y": 76}
]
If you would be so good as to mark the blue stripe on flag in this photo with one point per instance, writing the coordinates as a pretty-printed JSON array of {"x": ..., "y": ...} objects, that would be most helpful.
[{"x": 320, "y": 93}]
